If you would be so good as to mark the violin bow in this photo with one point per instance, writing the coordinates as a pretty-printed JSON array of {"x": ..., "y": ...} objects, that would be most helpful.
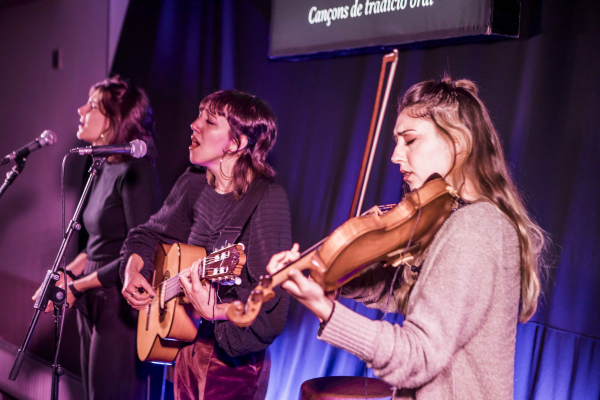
[
  {"x": 243, "y": 315},
  {"x": 374, "y": 131}
]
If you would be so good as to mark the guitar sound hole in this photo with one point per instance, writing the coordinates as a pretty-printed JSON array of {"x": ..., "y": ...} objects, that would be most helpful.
[{"x": 162, "y": 307}]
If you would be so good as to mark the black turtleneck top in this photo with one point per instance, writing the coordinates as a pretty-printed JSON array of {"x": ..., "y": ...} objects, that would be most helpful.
[{"x": 123, "y": 196}]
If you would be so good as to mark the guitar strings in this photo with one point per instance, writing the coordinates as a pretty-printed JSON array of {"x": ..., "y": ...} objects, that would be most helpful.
[
  {"x": 175, "y": 279},
  {"x": 209, "y": 261},
  {"x": 173, "y": 282}
]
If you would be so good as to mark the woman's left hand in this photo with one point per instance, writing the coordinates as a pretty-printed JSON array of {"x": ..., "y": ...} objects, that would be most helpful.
[
  {"x": 60, "y": 283},
  {"x": 198, "y": 294},
  {"x": 305, "y": 290}
]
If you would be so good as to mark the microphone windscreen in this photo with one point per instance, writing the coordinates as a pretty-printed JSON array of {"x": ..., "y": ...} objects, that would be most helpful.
[
  {"x": 138, "y": 148},
  {"x": 47, "y": 138}
]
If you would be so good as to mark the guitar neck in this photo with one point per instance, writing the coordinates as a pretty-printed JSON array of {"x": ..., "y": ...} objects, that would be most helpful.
[
  {"x": 214, "y": 266},
  {"x": 172, "y": 286}
]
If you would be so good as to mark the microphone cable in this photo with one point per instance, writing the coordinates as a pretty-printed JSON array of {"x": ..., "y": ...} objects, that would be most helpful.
[{"x": 64, "y": 269}]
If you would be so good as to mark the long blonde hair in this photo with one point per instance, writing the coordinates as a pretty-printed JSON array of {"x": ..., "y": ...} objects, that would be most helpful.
[{"x": 460, "y": 115}]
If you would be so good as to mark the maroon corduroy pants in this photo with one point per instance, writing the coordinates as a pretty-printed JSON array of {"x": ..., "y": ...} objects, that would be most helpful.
[{"x": 203, "y": 371}]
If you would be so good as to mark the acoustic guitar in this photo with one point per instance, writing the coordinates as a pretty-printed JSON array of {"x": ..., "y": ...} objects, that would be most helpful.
[{"x": 165, "y": 324}]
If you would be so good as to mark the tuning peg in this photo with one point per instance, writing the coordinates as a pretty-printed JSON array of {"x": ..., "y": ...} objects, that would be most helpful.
[{"x": 238, "y": 280}]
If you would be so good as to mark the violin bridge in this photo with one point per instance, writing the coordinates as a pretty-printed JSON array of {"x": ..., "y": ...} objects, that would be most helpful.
[{"x": 399, "y": 258}]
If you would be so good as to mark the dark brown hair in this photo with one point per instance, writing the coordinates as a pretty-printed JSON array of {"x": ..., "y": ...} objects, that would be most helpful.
[
  {"x": 252, "y": 117},
  {"x": 129, "y": 114},
  {"x": 461, "y": 117}
]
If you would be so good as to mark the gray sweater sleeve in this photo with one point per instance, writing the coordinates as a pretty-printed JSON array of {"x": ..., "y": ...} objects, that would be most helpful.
[
  {"x": 372, "y": 288},
  {"x": 449, "y": 303}
]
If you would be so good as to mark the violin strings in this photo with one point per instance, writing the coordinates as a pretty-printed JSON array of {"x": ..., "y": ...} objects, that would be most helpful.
[
  {"x": 302, "y": 255},
  {"x": 384, "y": 209}
]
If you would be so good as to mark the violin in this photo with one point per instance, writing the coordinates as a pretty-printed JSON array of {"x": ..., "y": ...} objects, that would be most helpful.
[{"x": 392, "y": 237}]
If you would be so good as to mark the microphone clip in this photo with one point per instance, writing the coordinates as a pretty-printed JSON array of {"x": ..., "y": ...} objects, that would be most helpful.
[{"x": 14, "y": 172}]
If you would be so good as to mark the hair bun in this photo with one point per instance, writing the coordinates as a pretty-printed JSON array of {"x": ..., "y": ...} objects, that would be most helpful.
[
  {"x": 468, "y": 85},
  {"x": 448, "y": 81}
]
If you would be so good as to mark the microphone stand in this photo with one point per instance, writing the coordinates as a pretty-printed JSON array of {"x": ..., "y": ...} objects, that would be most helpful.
[
  {"x": 12, "y": 175},
  {"x": 51, "y": 292}
]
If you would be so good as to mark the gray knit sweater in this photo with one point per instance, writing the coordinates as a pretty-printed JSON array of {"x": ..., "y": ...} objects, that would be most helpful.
[{"x": 458, "y": 338}]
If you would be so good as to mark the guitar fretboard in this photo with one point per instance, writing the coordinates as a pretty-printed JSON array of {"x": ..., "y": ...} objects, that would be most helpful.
[{"x": 209, "y": 266}]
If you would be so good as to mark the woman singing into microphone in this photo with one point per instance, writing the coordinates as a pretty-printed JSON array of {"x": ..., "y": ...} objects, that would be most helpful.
[
  {"x": 231, "y": 138},
  {"x": 124, "y": 196},
  {"x": 480, "y": 275}
]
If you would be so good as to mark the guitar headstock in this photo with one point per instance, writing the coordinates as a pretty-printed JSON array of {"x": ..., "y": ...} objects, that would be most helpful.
[{"x": 225, "y": 264}]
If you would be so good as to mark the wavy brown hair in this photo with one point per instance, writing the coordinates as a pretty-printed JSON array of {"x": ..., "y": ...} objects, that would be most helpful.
[
  {"x": 252, "y": 117},
  {"x": 461, "y": 117},
  {"x": 129, "y": 115}
]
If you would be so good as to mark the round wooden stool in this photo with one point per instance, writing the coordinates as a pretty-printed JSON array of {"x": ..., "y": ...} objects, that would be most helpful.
[{"x": 344, "y": 387}]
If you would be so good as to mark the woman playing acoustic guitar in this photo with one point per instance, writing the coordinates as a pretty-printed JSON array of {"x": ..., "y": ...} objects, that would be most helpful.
[
  {"x": 479, "y": 276},
  {"x": 231, "y": 138}
]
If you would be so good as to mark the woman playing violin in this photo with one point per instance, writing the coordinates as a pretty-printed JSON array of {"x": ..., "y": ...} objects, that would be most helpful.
[{"x": 479, "y": 276}]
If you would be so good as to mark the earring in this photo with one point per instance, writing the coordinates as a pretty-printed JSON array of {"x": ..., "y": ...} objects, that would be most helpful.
[{"x": 221, "y": 168}]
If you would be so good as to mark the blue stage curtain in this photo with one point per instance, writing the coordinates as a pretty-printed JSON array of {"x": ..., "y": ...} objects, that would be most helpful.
[
  {"x": 554, "y": 364},
  {"x": 543, "y": 93}
]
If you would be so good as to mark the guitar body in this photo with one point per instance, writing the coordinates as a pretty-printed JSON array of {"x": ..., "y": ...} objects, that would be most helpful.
[
  {"x": 162, "y": 329},
  {"x": 165, "y": 324}
]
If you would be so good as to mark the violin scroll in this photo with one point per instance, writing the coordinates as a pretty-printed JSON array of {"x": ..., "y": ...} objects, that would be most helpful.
[{"x": 243, "y": 315}]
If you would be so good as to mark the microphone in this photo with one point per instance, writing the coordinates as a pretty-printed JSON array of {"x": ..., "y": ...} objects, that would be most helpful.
[
  {"x": 136, "y": 149},
  {"x": 47, "y": 138}
]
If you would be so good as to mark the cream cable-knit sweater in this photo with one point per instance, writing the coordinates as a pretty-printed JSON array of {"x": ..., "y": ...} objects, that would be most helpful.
[{"x": 458, "y": 338}]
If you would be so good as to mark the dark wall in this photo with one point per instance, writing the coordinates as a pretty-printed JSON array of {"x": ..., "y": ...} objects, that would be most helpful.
[{"x": 35, "y": 97}]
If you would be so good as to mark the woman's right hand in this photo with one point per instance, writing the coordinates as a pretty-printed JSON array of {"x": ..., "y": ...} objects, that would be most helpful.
[{"x": 134, "y": 281}]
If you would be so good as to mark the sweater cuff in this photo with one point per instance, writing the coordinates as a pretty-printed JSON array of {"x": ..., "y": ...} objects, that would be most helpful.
[
  {"x": 108, "y": 275},
  {"x": 352, "y": 332}
]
